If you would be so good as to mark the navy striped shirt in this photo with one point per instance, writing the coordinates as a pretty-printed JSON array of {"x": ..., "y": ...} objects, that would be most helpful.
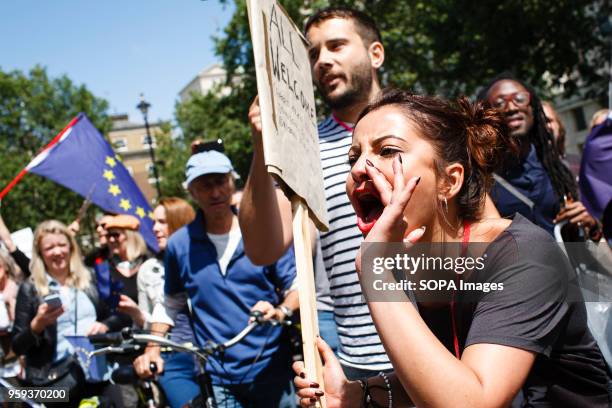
[{"x": 360, "y": 345}]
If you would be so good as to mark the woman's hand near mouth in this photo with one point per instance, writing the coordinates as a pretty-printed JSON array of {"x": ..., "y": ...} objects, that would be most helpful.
[{"x": 392, "y": 225}]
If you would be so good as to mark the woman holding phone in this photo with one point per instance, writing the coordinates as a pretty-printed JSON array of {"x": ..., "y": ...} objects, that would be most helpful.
[
  {"x": 421, "y": 170},
  {"x": 58, "y": 300}
]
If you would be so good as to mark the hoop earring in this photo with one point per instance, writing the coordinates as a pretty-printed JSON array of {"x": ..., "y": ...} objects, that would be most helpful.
[{"x": 445, "y": 205}]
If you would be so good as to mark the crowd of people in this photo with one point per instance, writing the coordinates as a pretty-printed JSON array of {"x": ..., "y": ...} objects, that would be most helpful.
[{"x": 397, "y": 167}]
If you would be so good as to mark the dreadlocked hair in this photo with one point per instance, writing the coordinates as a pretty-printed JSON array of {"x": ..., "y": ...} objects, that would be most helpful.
[{"x": 561, "y": 178}]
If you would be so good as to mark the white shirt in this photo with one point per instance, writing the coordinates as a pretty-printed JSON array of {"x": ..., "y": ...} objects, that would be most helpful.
[{"x": 226, "y": 245}]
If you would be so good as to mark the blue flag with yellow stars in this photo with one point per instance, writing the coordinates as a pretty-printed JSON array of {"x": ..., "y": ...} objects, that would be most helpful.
[{"x": 80, "y": 159}]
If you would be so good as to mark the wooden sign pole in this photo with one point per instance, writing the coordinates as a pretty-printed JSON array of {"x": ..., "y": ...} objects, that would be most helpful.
[{"x": 306, "y": 291}]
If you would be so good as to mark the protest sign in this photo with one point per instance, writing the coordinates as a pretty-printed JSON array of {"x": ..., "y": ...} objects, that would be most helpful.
[
  {"x": 291, "y": 147},
  {"x": 286, "y": 98}
]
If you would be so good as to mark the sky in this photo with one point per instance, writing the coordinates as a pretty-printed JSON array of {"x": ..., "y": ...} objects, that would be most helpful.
[{"x": 116, "y": 48}]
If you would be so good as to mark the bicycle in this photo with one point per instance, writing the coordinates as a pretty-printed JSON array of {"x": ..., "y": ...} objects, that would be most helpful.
[{"x": 127, "y": 338}]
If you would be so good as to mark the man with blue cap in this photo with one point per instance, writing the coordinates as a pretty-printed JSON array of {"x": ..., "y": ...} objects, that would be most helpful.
[{"x": 205, "y": 262}]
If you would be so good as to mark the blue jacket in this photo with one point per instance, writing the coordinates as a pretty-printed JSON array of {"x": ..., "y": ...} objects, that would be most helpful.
[
  {"x": 221, "y": 304},
  {"x": 530, "y": 178}
]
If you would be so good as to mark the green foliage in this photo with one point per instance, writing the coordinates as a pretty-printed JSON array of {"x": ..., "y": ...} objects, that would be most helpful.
[
  {"x": 33, "y": 109},
  {"x": 171, "y": 154},
  {"x": 446, "y": 47},
  {"x": 451, "y": 47}
]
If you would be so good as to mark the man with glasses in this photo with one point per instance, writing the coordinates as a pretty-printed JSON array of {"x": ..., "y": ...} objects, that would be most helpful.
[{"x": 535, "y": 182}]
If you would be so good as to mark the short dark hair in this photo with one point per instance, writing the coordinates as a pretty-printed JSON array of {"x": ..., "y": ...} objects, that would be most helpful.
[
  {"x": 366, "y": 26},
  {"x": 460, "y": 132}
]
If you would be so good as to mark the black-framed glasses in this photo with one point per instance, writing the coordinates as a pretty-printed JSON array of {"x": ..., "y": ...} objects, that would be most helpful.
[{"x": 519, "y": 99}]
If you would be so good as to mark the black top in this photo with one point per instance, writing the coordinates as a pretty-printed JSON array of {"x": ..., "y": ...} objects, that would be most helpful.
[
  {"x": 130, "y": 284},
  {"x": 100, "y": 252},
  {"x": 22, "y": 261},
  {"x": 538, "y": 310}
]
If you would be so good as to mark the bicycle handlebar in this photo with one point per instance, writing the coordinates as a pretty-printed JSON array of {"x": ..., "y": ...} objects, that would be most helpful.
[
  {"x": 119, "y": 340},
  {"x": 107, "y": 339}
]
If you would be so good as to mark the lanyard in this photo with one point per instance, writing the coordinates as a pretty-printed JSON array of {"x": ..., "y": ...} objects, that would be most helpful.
[
  {"x": 341, "y": 123},
  {"x": 464, "y": 247}
]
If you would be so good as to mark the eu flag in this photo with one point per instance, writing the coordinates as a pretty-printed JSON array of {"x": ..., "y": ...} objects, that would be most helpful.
[{"x": 80, "y": 159}]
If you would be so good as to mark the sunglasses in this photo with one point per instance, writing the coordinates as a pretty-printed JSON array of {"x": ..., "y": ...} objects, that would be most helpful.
[
  {"x": 519, "y": 99},
  {"x": 113, "y": 234}
]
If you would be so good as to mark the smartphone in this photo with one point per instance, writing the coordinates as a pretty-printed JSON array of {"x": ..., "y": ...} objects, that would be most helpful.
[
  {"x": 207, "y": 146},
  {"x": 53, "y": 301},
  {"x": 115, "y": 295}
]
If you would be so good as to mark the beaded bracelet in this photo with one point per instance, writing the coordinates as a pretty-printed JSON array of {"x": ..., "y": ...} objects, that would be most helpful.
[
  {"x": 367, "y": 401},
  {"x": 388, "y": 384}
]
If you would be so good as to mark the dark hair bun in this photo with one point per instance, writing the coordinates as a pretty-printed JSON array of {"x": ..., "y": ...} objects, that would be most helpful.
[{"x": 486, "y": 135}]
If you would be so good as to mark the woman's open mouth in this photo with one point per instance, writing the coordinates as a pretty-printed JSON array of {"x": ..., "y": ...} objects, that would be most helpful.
[{"x": 368, "y": 206}]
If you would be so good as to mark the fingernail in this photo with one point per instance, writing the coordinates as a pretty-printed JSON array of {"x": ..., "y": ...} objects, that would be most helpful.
[
  {"x": 369, "y": 163},
  {"x": 314, "y": 385},
  {"x": 313, "y": 399},
  {"x": 319, "y": 393},
  {"x": 303, "y": 374},
  {"x": 400, "y": 158},
  {"x": 418, "y": 180}
]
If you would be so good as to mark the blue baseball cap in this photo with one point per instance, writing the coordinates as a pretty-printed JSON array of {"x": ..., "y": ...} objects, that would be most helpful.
[{"x": 207, "y": 163}]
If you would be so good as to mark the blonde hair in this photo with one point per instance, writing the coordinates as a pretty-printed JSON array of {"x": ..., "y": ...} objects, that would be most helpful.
[
  {"x": 598, "y": 118},
  {"x": 78, "y": 275},
  {"x": 134, "y": 244}
]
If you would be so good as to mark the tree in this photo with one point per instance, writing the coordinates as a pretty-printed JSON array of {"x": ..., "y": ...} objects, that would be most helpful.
[
  {"x": 33, "y": 109},
  {"x": 218, "y": 115},
  {"x": 445, "y": 47},
  {"x": 173, "y": 153},
  {"x": 450, "y": 47}
]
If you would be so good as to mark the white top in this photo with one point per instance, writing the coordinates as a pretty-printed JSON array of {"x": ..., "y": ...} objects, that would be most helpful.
[
  {"x": 150, "y": 281},
  {"x": 226, "y": 245}
]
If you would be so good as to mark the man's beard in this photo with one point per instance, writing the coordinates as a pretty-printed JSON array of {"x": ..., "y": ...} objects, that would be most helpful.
[{"x": 357, "y": 89}]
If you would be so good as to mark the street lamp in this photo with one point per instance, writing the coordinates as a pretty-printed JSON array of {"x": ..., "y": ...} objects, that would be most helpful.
[{"x": 144, "y": 106}]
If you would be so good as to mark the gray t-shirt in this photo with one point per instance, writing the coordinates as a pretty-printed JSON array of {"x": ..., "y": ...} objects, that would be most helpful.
[{"x": 538, "y": 311}]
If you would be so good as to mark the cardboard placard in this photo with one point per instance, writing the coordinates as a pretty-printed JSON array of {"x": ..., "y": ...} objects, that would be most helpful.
[
  {"x": 291, "y": 148},
  {"x": 286, "y": 98}
]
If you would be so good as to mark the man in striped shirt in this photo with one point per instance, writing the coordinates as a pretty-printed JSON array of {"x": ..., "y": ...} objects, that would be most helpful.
[{"x": 345, "y": 53}]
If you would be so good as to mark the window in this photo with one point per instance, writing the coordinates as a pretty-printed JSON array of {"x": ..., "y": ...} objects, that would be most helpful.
[
  {"x": 120, "y": 145},
  {"x": 145, "y": 141},
  {"x": 579, "y": 119},
  {"x": 150, "y": 173}
]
